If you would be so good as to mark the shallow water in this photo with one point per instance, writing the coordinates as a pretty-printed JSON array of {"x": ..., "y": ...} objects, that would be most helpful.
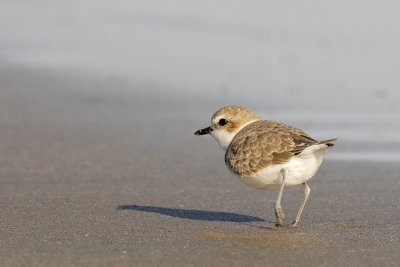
[{"x": 329, "y": 69}]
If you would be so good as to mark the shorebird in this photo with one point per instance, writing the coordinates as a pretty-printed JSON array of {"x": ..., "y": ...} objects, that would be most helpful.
[{"x": 267, "y": 154}]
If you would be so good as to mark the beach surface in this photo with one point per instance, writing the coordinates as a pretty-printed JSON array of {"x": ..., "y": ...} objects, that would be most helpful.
[{"x": 95, "y": 175}]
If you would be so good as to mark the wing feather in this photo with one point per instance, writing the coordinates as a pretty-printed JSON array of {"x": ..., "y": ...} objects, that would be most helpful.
[{"x": 265, "y": 143}]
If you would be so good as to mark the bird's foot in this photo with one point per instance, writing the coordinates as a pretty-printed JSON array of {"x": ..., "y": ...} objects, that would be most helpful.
[
  {"x": 295, "y": 224},
  {"x": 280, "y": 216}
]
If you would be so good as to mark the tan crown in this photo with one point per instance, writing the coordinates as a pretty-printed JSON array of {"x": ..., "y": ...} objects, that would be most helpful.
[{"x": 236, "y": 115}]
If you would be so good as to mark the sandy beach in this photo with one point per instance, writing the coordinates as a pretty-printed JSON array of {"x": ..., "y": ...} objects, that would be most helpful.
[{"x": 90, "y": 176}]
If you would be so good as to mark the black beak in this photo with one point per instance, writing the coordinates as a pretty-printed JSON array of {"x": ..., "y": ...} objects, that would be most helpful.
[{"x": 204, "y": 131}]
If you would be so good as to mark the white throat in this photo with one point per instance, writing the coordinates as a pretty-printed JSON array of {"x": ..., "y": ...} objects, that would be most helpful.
[{"x": 224, "y": 138}]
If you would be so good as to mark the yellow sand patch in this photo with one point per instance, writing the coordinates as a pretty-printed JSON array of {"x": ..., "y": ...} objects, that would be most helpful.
[
  {"x": 348, "y": 226},
  {"x": 277, "y": 238}
]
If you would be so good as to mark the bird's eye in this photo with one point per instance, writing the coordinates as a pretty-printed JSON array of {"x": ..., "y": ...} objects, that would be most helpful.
[{"x": 222, "y": 122}]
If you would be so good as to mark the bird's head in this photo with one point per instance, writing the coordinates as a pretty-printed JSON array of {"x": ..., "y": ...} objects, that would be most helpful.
[{"x": 227, "y": 122}]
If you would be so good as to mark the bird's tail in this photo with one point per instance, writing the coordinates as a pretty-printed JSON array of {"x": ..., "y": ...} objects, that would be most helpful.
[{"x": 330, "y": 142}]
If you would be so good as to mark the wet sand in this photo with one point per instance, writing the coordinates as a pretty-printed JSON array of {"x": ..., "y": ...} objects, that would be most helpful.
[{"x": 95, "y": 175}]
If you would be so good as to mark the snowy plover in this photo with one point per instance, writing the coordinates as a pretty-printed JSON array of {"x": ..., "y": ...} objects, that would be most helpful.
[{"x": 267, "y": 154}]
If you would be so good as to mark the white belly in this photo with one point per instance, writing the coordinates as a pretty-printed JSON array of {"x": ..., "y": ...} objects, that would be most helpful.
[{"x": 299, "y": 169}]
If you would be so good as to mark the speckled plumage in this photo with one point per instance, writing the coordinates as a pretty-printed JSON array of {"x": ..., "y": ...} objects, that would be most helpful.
[{"x": 265, "y": 143}]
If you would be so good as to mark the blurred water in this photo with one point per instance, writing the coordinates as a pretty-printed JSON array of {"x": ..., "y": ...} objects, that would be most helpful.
[{"x": 331, "y": 67}]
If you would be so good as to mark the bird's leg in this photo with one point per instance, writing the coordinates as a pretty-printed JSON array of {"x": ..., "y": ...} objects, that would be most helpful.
[
  {"x": 280, "y": 216},
  {"x": 307, "y": 191}
]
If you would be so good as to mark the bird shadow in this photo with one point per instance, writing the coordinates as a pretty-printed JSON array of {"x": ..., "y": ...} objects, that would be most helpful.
[{"x": 199, "y": 215}]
